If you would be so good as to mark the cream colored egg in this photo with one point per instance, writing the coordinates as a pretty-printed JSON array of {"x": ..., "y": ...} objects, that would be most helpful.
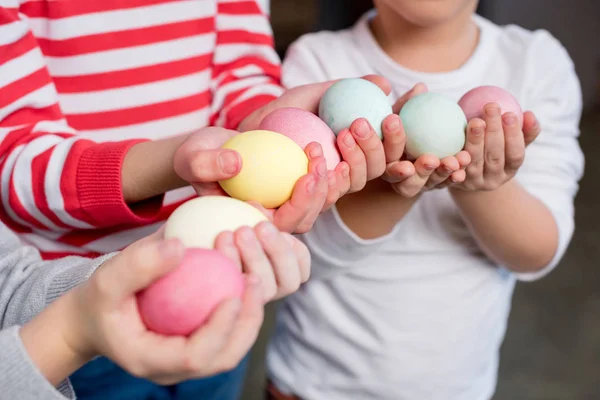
[
  {"x": 199, "y": 221},
  {"x": 271, "y": 165}
]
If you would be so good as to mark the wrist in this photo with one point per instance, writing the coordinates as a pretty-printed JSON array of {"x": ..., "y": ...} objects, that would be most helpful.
[
  {"x": 148, "y": 171},
  {"x": 48, "y": 341}
]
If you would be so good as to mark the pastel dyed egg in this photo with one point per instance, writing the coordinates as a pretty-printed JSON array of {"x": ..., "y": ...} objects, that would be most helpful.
[
  {"x": 182, "y": 301},
  {"x": 433, "y": 124},
  {"x": 198, "y": 222},
  {"x": 271, "y": 165},
  {"x": 349, "y": 99},
  {"x": 304, "y": 127},
  {"x": 473, "y": 102}
]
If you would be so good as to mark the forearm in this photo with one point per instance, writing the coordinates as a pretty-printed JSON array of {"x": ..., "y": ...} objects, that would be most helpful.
[
  {"x": 44, "y": 340},
  {"x": 374, "y": 211},
  {"x": 512, "y": 227},
  {"x": 148, "y": 171}
]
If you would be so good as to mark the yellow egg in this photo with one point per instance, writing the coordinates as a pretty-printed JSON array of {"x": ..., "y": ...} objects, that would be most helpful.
[{"x": 271, "y": 165}]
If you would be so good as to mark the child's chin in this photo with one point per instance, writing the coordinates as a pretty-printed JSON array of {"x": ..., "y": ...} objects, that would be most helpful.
[{"x": 428, "y": 13}]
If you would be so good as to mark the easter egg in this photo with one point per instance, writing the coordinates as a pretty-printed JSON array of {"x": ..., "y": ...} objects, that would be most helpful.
[
  {"x": 197, "y": 222},
  {"x": 271, "y": 165},
  {"x": 304, "y": 127},
  {"x": 473, "y": 102},
  {"x": 349, "y": 99},
  {"x": 181, "y": 301},
  {"x": 433, "y": 124}
]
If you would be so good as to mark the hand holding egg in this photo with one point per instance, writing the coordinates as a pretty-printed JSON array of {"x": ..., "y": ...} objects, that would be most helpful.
[{"x": 496, "y": 137}]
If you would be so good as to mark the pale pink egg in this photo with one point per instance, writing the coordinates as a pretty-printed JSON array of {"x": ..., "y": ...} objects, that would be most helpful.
[
  {"x": 473, "y": 102},
  {"x": 304, "y": 127},
  {"x": 181, "y": 301}
]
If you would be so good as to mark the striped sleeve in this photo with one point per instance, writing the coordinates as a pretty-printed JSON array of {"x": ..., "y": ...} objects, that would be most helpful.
[
  {"x": 246, "y": 68},
  {"x": 51, "y": 179}
]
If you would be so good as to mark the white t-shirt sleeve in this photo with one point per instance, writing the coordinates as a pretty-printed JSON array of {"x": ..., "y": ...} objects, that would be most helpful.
[{"x": 554, "y": 161}]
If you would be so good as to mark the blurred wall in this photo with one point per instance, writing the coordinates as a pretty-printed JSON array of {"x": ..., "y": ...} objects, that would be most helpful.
[{"x": 576, "y": 23}]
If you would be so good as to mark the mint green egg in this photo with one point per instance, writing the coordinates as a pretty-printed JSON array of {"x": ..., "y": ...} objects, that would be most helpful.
[
  {"x": 350, "y": 99},
  {"x": 434, "y": 124}
]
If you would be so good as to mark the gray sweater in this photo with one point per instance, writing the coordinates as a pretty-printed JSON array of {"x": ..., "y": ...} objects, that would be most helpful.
[{"x": 27, "y": 286}]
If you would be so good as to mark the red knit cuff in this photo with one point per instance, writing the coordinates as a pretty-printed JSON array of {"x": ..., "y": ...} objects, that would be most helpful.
[
  {"x": 100, "y": 192},
  {"x": 240, "y": 111}
]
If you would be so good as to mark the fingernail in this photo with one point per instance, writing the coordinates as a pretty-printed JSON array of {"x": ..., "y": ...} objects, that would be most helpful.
[
  {"x": 492, "y": 111},
  {"x": 247, "y": 235},
  {"x": 321, "y": 169},
  {"x": 229, "y": 161},
  {"x": 447, "y": 170},
  {"x": 429, "y": 167},
  {"x": 311, "y": 184},
  {"x": 509, "y": 119},
  {"x": 316, "y": 151},
  {"x": 394, "y": 124},
  {"x": 477, "y": 130},
  {"x": 345, "y": 171},
  {"x": 362, "y": 129},
  {"x": 349, "y": 141}
]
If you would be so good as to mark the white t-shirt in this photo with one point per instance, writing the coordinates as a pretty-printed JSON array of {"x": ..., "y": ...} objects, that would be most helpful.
[{"x": 420, "y": 313}]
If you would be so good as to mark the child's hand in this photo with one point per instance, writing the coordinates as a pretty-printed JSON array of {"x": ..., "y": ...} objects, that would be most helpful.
[
  {"x": 281, "y": 261},
  {"x": 497, "y": 148},
  {"x": 106, "y": 321},
  {"x": 202, "y": 162},
  {"x": 411, "y": 177}
]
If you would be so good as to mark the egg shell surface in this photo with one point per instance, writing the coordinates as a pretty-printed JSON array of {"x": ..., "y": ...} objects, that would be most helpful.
[
  {"x": 473, "y": 102},
  {"x": 272, "y": 163},
  {"x": 198, "y": 222},
  {"x": 350, "y": 99},
  {"x": 433, "y": 124},
  {"x": 181, "y": 302},
  {"x": 304, "y": 127}
]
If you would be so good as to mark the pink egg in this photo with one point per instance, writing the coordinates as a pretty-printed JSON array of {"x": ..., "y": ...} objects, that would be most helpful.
[
  {"x": 473, "y": 102},
  {"x": 181, "y": 301},
  {"x": 304, "y": 127}
]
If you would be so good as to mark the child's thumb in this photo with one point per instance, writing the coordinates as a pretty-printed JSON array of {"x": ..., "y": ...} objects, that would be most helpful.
[{"x": 142, "y": 263}]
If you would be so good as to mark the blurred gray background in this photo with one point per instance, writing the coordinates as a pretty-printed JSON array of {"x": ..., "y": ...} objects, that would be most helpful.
[{"x": 552, "y": 347}]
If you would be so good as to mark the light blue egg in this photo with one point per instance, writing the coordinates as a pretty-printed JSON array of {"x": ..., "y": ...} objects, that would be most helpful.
[
  {"x": 433, "y": 124},
  {"x": 349, "y": 99}
]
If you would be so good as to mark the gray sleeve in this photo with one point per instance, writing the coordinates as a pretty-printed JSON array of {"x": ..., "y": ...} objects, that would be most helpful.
[
  {"x": 28, "y": 284},
  {"x": 20, "y": 378}
]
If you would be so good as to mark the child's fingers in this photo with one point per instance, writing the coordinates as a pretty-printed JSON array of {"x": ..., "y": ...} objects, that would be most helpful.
[
  {"x": 283, "y": 261},
  {"x": 424, "y": 167},
  {"x": 514, "y": 143},
  {"x": 371, "y": 145},
  {"x": 208, "y": 342},
  {"x": 531, "y": 127},
  {"x": 292, "y": 212},
  {"x": 457, "y": 177},
  {"x": 226, "y": 245},
  {"x": 333, "y": 193},
  {"x": 318, "y": 165},
  {"x": 464, "y": 158},
  {"x": 393, "y": 138},
  {"x": 448, "y": 166},
  {"x": 419, "y": 88},
  {"x": 302, "y": 256},
  {"x": 475, "y": 147},
  {"x": 398, "y": 171},
  {"x": 494, "y": 141},
  {"x": 246, "y": 327},
  {"x": 342, "y": 174},
  {"x": 254, "y": 260},
  {"x": 355, "y": 158},
  {"x": 137, "y": 267}
]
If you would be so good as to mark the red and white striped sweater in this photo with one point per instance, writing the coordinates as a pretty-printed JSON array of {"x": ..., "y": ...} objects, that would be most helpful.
[{"x": 81, "y": 81}]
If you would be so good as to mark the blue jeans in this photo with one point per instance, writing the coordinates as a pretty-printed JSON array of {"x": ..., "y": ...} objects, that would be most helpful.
[{"x": 100, "y": 379}]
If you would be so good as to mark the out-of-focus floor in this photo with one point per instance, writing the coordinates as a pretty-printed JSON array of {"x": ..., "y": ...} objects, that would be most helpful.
[{"x": 552, "y": 347}]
